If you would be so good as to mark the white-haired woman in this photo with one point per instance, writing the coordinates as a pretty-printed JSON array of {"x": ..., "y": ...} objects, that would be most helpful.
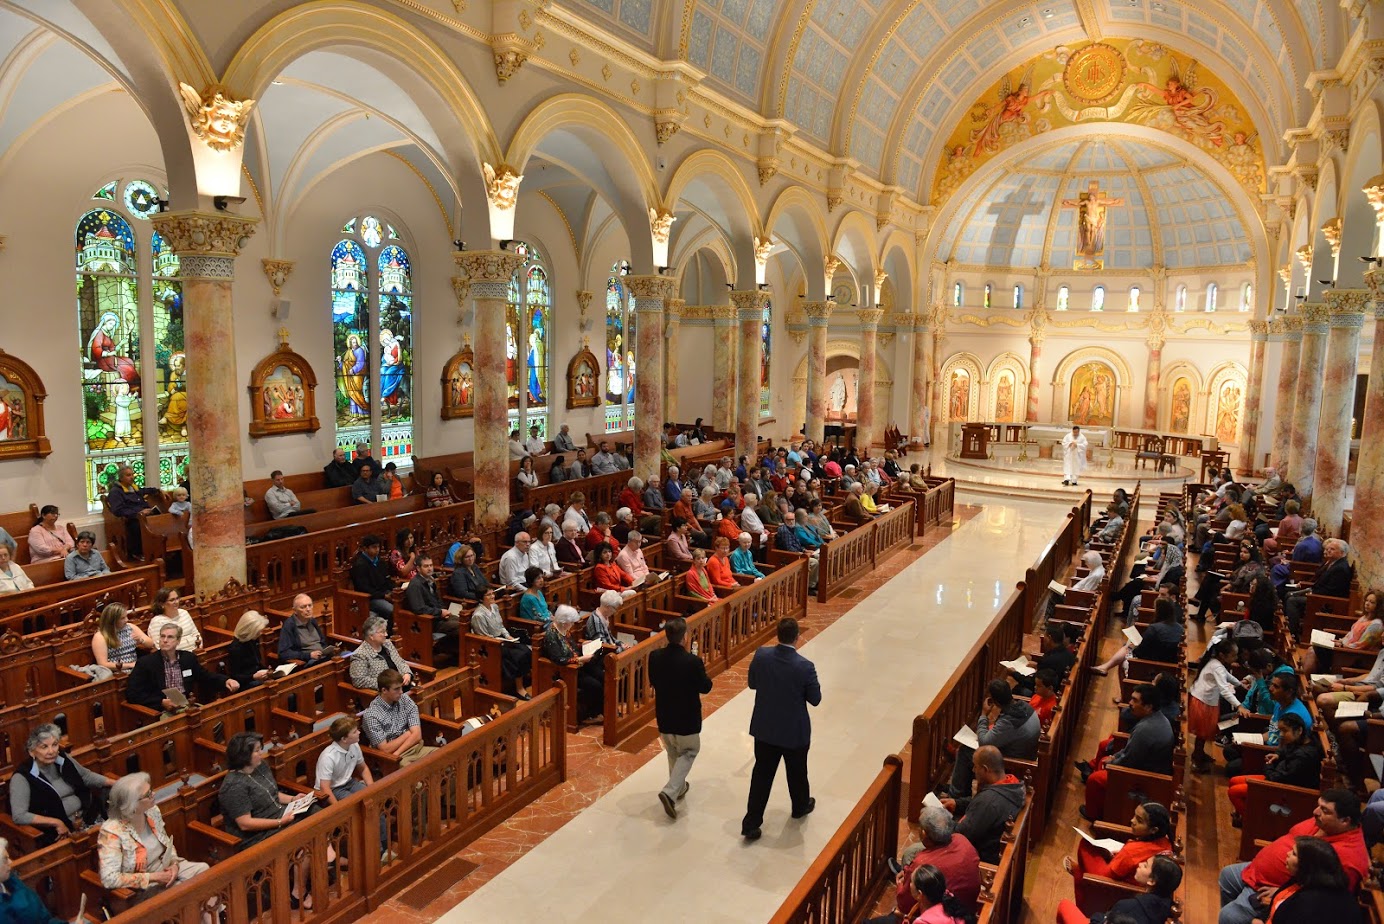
[
  {"x": 558, "y": 648},
  {"x": 742, "y": 559},
  {"x": 376, "y": 653},
  {"x": 18, "y": 902},
  {"x": 1092, "y": 560},
  {"x": 244, "y": 657},
  {"x": 133, "y": 848},
  {"x": 53, "y": 792}
]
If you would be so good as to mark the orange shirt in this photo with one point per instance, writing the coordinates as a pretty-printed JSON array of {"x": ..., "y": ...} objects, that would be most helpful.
[
  {"x": 728, "y": 528},
  {"x": 718, "y": 569},
  {"x": 610, "y": 576},
  {"x": 1043, "y": 707},
  {"x": 698, "y": 585}
]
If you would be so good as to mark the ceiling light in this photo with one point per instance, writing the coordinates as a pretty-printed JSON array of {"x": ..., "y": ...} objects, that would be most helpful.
[
  {"x": 278, "y": 83},
  {"x": 1047, "y": 13}
]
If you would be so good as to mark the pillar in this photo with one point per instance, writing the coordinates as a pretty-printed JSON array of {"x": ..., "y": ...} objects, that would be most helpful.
[
  {"x": 1367, "y": 526},
  {"x": 1307, "y": 405},
  {"x": 1153, "y": 381},
  {"x": 1347, "y": 307},
  {"x": 1289, "y": 331},
  {"x": 723, "y": 361},
  {"x": 749, "y": 308},
  {"x": 1254, "y": 397},
  {"x": 649, "y": 293},
  {"x": 865, "y": 388},
  {"x": 938, "y": 318},
  {"x": 1035, "y": 353},
  {"x": 818, "y": 315},
  {"x": 207, "y": 244},
  {"x": 488, "y": 273},
  {"x": 672, "y": 316},
  {"x": 922, "y": 369}
]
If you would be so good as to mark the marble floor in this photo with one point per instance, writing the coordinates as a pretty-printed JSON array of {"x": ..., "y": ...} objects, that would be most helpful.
[{"x": 879, "y": 664}]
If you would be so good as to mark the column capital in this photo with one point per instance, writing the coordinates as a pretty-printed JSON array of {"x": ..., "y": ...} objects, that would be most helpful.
[
  {"x": 749, "y": 304},
  {"x": 818, "y": 313},
  {"x": 488, "y": 272},
  {"x": 869, "y": 318},
  {"x": 673, "y": 308},
  {"x": 722, "y": 315},
  {"x": 277, "y": 272},
  {"x": 1347, "y": 307},
  {"x": 206, "y": 243},
  {"x": 1292, "y": 328},
  {"x": 1314, "y": 317},
  {"x": 1259, "y": 330},
  {"x": 921, "y": 324},
  {"x": 647, "y": 287}
]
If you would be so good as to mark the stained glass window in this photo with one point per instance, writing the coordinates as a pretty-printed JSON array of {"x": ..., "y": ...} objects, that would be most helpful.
[
  {"x": 1134, "y": 293},
  {"x": 141, "y": 199},
  {"x": 351, "y": 343},
  {"x": 1211, "y": 291},
  {"x": 1098, "y": 299},
  {"x": 988, "y": 289},
  {"x": 107, "y": 191},
  {"x": 170, "y": 362},
  {"x": 1063, "y": 295},
  {"x": 619, "y": 349},
  {"x": 767, "y": 339},
  {"x": 395, "y": 286},
  {"x": 1018, "y": 296},
  {"x": 1180, "y": 304},
  {"x": 371, "y": 231},
  {"x": 528, "y": 316},
  {"x": 1246, "y": 297},
  {"x": 958, "y": 292}
]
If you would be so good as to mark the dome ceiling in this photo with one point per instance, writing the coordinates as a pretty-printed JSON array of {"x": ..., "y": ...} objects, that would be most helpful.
[{"x": 1172, "y": 213}]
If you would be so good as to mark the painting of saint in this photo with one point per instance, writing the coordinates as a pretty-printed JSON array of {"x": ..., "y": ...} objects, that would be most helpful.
[
  {"x": 585, "y": 385},
  {"x": 173, "y": 421},
  {"x": 283, "y": 393},
  {"x": 1180, "y": 418},
  {"x": 615, "y": 371},
  {"x": 12, "y": 423},
  {"x": 1092, "y": 401},
  {"x": 1228, "y": 413},
  {"x": 462, "y": 384},
  {"x": 355, "y": 364},
  {"x": 1004, "y": 397},
  {"x": 391, "y": 368},
  {"x": 105, "y": 346},
  {"x": 959, "y": 405}
]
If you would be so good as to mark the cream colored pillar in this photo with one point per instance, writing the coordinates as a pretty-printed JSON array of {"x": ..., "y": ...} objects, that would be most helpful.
[
  {"x": 865, "y": 388},
  {"x": 818, "y": 316},
  {"x": 1302, "y": 452},
  {"x": 1289, "y": 333},
  {"x": 1367, "y": 526},
  {"x": 649, "y": 294},
  {"x": 749, "y": 307},
  {"x": 672, "y": 320},
  {"x": 1347, "y": 307},
  {"x": 723, "y": 365},
  {"x": 1254, "y": 399},
  {"x": 922, "y": 375}
]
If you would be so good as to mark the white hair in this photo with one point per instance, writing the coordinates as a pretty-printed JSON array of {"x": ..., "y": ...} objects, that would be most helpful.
[
  {"x": 624, "y": 513},
  {"x": 565, "y": 615},
  {"x": 612, "y": 599}
]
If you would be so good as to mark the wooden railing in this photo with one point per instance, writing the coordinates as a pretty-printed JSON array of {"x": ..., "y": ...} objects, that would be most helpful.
[
  {"x": 63, "y": 602},
  {"x": 1055, "y": 555},
  {"x": 601, "y": 492},
  {"x": 844, "y": 879},
  {"x": 432, "y": 809},
  {"x": 845, "y": 559},
  {"x": 724, "y": 633}
]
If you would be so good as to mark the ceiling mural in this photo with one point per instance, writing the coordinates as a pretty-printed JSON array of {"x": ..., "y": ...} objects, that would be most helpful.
[{"x": 1115, "y": 80}]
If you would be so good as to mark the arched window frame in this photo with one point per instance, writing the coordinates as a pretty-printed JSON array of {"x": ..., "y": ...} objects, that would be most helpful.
[
  {"x": 528, "y": 333},
  {"x": 989, "y": 291},
  {"x": 1098, "y": 298},
  {"x": 1018, "y": 296},
  {"x": 619, "y": 409},
  {"x": 958, "y": 294},
  {"x": 1180, "y": 302},
  {"x": 1134, "y": 293},
  {"x": 1246, "y": 297},
  {"x": 1212, "y": 291},
  {"x": 1064, "y": 295},
  {"x": 766, "y": 336}
]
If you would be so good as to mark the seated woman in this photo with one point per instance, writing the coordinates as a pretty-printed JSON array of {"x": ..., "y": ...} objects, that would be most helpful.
[
  {"x": 516, "y": 655},
  {"x": 543, "y": 552},
  {"x": 704, "y": 507},
  {"x": 742, "y": 559},
  {"x": 1208, "y": 595},
  {"x": 47, "y": 541},
  {"x": 1297, "y": 762},
  {"x": 467, "y": 581},
  {"x": 1365, "y": 633},
  {"x": 403, "y": 559},
  {"x": 718, "y": 566},
  {"x": 1095, "y": 571},
  {"x": 375, "y": 654},
  {"x": 934, "y": 902},
  {"x": 817, "y": 522},
  {"x": 527, "y": 477},
  {"x": 166, "y": 602},
  {"x": 601, "y": 534},
  {"x": 389, "y": 479},
  {"x": 252, "y": 807},
  {"x": 53, "y": 792},
  {"x": 12, "y": 577},
  {"x": 678, "y": 544},
  {"x": 1317, "y": 890},
  {"x": 558, "y": 648},
  {"x": 117, "y": 640},
  {"x": 1162, "y": 874},
  {"x": 610, "y": 576},
  {"x": 1151, "y": 831},
  {"x": 134, "y": 850},
  {"x": 533, "y": 605},
  {"x": 438, "y": 494},
  {"x": 697, "y": 581},
  {"x": 244, "y": 657},
  {"x": 1161, "y": 641},
  {"x": 633, "y": 497},
  {"x": 726, "y": 527},
  {"x": 18, "y": 902},
  {"x": 569, "y": 548}
]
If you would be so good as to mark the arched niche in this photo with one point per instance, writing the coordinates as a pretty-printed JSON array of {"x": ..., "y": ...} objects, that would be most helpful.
[
  {"x": 1180, "y": 399},
  {"x": 1006, "y": 388},
  {"x": 1081, "y": 387},
  {"x": 843, "y": 355},
  {"x": 1226, "y": 389},
  {"x": 961, "y": 383}
]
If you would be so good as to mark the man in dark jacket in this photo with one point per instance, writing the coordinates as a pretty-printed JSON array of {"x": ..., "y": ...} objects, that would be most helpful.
[
  {"x": 300, "y": 637},
  {"x": 1004, "y": 722},
  {"x": 338, "y": 473},
  {"x": 679, "y": 679},
  {"x": 370, "y": 575},
  {"x": 998, "y": 798},
  {"x": 169, "y": 668},
  {"x": 1332, "y": 580},
  {"x": 1150, "y": 747},
  {"x": 785, "y": 684},
  {"x": 421, "y": 597}
]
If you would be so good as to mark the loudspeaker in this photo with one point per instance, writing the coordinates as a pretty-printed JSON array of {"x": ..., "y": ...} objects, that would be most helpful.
[{"x": 279, "y": 308}]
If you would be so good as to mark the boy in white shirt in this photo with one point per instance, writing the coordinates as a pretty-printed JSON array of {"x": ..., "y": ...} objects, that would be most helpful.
[{"x": 339, "y": 761}]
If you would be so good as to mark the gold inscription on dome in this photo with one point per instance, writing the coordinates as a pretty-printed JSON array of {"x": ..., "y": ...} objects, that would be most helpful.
[{"x": 1095, "y": 73}]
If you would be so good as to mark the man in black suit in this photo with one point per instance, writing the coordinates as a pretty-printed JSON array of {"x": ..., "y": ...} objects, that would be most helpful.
[
  {"x": 170, "y": 668},
  {"x": 1333, "y": 580},
  {"x": 785, "y": 684},
  {"x": 370, "y": 575},
  {"x": 679, "y": 680}
]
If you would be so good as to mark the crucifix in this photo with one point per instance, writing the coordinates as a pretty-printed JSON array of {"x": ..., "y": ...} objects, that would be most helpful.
[{"x": 1090, "y": 220}]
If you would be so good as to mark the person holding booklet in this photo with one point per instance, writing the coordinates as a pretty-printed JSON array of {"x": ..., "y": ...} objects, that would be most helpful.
[
  {"x": 1006, "y": 723},
  {"x": 1150, "y": 833},
  {"x": 1297, "y": 762},
  {"x": 253, "y": 808},
  {"x": 1162, "y": 641}
]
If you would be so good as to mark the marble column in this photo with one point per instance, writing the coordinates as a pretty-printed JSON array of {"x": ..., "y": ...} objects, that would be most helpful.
[
  {"x": 1035, "y": 353},
  {"x": 649, "y": 293},
  {"x": 1367, "y": 526},
  {"x": 723, "y": 363},
  {"x": 818, "y": 316},
  {"x": 865, "y": 388},
  {"x": 938, "y": 319},
  {"x": 1289, "y": 332},
  {"x": 1254, "y": 398},
  {"x": 749, "y": 308},
  {"x": 672, "y": 316},
  {"x": 1153, "y": 381},
  {"x": 922, "y": 368},
  {"x": 1347, "y": 307},
  {"x": 1307, "y": 405},
  {"x": 207, "y": 244},
  {"x": 488, "y": 273}
]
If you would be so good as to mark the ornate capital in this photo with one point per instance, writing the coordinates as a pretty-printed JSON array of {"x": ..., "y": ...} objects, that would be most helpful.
[
  {"x": 1304, "y": 255},
  {"x": 206, "y": 243},
  {"x": 829, "y": 266},
  {"x": 672, "y": 308},
  {"x": 667, "y": 123},
  {"x": 1375, "y": 280},
  {"x": 869, "y": 318},
  {"x": 1037, "y": 318},
  {"x": 1331, "y": 230},
  {"x": 511, "y": 52},
  {"x": 277, "y": 272},
  {"x": 723, "y": 315},
  {"x": 768, "y": 168},
  {"x": 818, "y": 313},
  {"x": 1314, "y": 318},
  {"x": 921, "y": 324},
  {"x": 833, "y": 200},
  {"x": 762, "y": 246},
  {"x": 880, "y": 277},
  {"x": 1374, "y": 191},
  {"x": 661, "y": 224},
  {"x": 584, "y": 300},
  {"x": 461, "y": 287},
  {"x": 1285, "y": 274},
  {"x": 1259, "y": 330},
  {"x": 651, "y": 287},
  {"x": 502, "y": 186},
  {"x": 1292, "y": 328},
  {"x": 749, "y": 304},
  {"x": 488, "y": 271},
  {"x": 1347, "y": 307},
  {"x": 215, "y": 118}
]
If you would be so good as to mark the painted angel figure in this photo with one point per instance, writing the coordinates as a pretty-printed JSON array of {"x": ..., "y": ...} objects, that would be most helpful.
[
  {"x": 1190, "y": 107},
  {"x": 1008, "y": 116}
]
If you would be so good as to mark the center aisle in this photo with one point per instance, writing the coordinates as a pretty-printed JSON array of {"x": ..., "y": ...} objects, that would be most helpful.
[{"x": 879, "y": 665}]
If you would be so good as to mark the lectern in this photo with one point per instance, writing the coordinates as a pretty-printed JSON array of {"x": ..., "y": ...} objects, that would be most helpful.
[{"x": 975, "y": 441}]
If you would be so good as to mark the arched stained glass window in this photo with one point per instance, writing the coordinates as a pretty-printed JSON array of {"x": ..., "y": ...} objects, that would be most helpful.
[
  {"x": 170, "y": 362},
  {"x": 1211, "y": 291},
  {"x": 765, "y": 360},
  {"x": 958, "y": 293},
  {"x": 1247, "y": 297},
  {"x": 619, "y": 376},
  {"x": 1018, "y": 296},
  {"x": 351, "y": 343},
  {"x": 528, "y": 317},
  {"x": 1064, "y": 294},
  {"x": 1180, "y": 302},
  {"x": 395, "y": 287},
  {"x": 1098, "y": 299},
  {"x": 988, "y": 289},
  {"x": 1134, "y": 293}
]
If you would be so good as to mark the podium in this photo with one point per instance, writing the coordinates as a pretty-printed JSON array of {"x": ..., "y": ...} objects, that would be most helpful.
[{"x": 975, "y": 441}]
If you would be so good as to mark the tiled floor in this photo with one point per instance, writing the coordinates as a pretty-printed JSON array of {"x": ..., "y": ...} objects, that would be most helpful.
[{"x": 880, "y": 657}]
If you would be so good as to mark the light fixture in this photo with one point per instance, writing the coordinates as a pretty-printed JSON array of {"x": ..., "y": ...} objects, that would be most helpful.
[
  {"x": 223, "y": 203},
  {"x": 730, "y": 287},
  {"x": 1327, "y": 283},
  {"x": 163, "y": 206},
  {"x": 1372, "y": 261},
  {"x": 664, "y": 270},
  {"x": 460, "y": 245},
  {"x": 764, "y": 287},
  {"x": 504, "y": 245}
]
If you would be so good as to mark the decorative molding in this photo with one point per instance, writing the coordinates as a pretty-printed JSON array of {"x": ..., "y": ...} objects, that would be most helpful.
[
  {"x": 215, "y": 118},
  {"x": 502, "y": 186},
  {"x": 661, "y": 224},
  {"x": 1374, "y": 192},
  {"x": 1304, "y": 256},
  {"x": 1347, "y": 307},
  {"x": 277, "y": 272},
  {"x": 511, "y": 52},
  {"x": 818, "y": 313},
  {"x": 644, "y": 288},
  {"x": 768, "y": 168},
  {"x": 584, "y": 380},
  {"x": 1331, "y": 230},
  {"x": 667, "y": 123},
  {"x": 1259, "y": 330},
  {"x": 869, "y": 318},
  {"x": 762, "y": 246},
  {"x": 461, "y": 287},
  {"x": 206, "y": 243}
]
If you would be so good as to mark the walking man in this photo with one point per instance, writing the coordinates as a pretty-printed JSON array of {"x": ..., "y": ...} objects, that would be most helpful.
[
  {"x": 785, "y": 684},
  {"x": 679, "y": 680}
]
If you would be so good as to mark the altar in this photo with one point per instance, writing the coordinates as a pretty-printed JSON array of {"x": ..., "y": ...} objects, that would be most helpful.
[{"x": 1049, "y": 437}]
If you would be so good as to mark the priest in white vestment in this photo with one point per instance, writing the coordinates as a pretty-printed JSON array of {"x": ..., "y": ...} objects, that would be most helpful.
[{"x": 1073, "y": 456}]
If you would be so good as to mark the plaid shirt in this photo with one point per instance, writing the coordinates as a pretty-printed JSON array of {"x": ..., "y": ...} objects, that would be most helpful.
[
  {"x": 383, "y": 722},
  {"x": 173, "y": 673}
]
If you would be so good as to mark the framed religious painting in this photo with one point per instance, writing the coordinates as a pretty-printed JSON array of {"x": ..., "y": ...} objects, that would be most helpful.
[
  {"x": 282, "y": 388},
  {"x": 22, "y": 434},
  {"x": 583, "y": 380},
  {"x": 459, "y": 385}
]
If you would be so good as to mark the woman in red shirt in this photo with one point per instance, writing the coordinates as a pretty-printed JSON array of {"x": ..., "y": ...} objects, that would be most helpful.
[
  {"x": 1150, "y": 833},
  {"x": 610, "y": 576},
  {"x": 718, "y": 567},
  {"x": 698, "y": 583}
]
